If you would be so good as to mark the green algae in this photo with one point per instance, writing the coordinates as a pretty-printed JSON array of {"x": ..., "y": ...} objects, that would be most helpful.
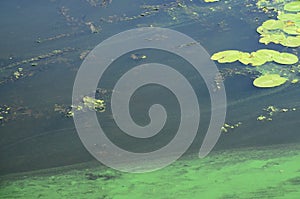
[{"x": 268, "y": 172}]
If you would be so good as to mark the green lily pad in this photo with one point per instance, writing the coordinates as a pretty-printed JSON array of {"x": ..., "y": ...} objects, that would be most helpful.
[
  {"x": 286, "y": 58},
  {"x": 266, "y": 39},
  {"x": 267, "y": 54},
  {"x": 289, "y": 17},
  {"x": 227, "y": 56},
  {"x": 291, "y": 41},
  {"x": 292, "y": 6},
  {"x": 273, "y": 24},
  {"x": 269, "y": 81},
  {"x": 275, "y": 38},
  {"x": 257, "y": 59},
  {"x": 261, "y": 30},
  {"x": 291, "y": 30}
]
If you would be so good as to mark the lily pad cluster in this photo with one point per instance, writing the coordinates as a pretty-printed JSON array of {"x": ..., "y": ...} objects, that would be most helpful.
[
  {"x": 256, "y": 58},
  {"x": 284, "y": 30}
]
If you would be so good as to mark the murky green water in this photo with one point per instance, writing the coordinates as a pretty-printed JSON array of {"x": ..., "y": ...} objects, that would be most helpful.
[{"x": 35, "y": 135}]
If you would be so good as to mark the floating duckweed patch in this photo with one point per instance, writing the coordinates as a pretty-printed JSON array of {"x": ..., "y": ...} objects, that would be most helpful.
[
  {"x": 292, "y": 6},
  {"x": 257, "y": 58},
  {"x": 269, "y": 81}
]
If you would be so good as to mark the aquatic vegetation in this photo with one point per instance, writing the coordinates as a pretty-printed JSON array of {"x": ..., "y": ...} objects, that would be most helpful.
[
  {"x": 87, "y": 103},
  {"x": 227, "y": 127},
  {"x": 292, "y": 6},
  {"x": 286, "y": 58},
  {"x": 257, "y": 58},
  {"x": 271, "y": 111},
  {"x": 269, "y": 81},
  {"x": 285, "y": 29},
  {"x": 94, "y": 104}
]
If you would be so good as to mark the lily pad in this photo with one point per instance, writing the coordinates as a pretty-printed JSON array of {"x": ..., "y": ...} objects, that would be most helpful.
[
  {"x": 261, "y": 30},
  {"x": 273, "y": 24},
  {"x": 292, "y": 6},
  {"x": 291, "y": 30},
  {"x": 269, "y": 81},
  {"x": 291, "y": 41},
  {"x": 257, "y": 59},
  {"x": 227, "y": 56},
  {"x": 289, "y": 17},
  {"x": 286, "y": 58},
  {"x": 267, "y": 54}
]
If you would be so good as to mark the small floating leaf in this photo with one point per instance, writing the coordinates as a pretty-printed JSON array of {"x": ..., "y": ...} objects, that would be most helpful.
[{"x": 269, "y": 81}]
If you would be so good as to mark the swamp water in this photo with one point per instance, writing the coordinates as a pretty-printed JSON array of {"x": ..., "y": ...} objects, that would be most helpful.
[{"x": 41, "y": 155}]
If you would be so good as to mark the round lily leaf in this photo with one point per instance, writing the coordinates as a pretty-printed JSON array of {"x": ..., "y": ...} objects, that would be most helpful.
[
  {"x": 292, "y": 6},
  {"x": 291, "y": 30},
  {"x": 277, "y": 37},
  {"x": 291, "y": 41},
  {"x": 272, "y": 24},
  {"x": 266, "y": 39},
  {"x": 289, "y": 17},
  {"x": 261, "y": 30},
  {"x": 226, "y": 56},
  {"x": 245, "y": 58},
  {"x": 286, "y": 58},
  {"x": 269, "y": 81},
  {"x": 267, "y": 54},
  {"x": 257, "y": 60}
]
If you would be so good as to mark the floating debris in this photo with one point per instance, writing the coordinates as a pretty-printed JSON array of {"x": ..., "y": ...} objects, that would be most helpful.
[
  {"x": 92, "y": 27},
  {"x": 84, "y": 54},
  {"x": 270, "y": 111},
  {"x": 33, "y": 60},
  {"x": 135, "y": 56},
  {"x": 227, "y": 127},
  {"x": 218, "y": 81},
  {"x": 39, "y": 40}
]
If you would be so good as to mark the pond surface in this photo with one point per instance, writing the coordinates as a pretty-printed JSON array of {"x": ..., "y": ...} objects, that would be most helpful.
[{"x": 43, "y": 44}]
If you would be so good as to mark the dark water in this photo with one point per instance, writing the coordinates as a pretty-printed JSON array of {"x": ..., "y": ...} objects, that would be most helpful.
[{"x": 42, "y": 138}]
